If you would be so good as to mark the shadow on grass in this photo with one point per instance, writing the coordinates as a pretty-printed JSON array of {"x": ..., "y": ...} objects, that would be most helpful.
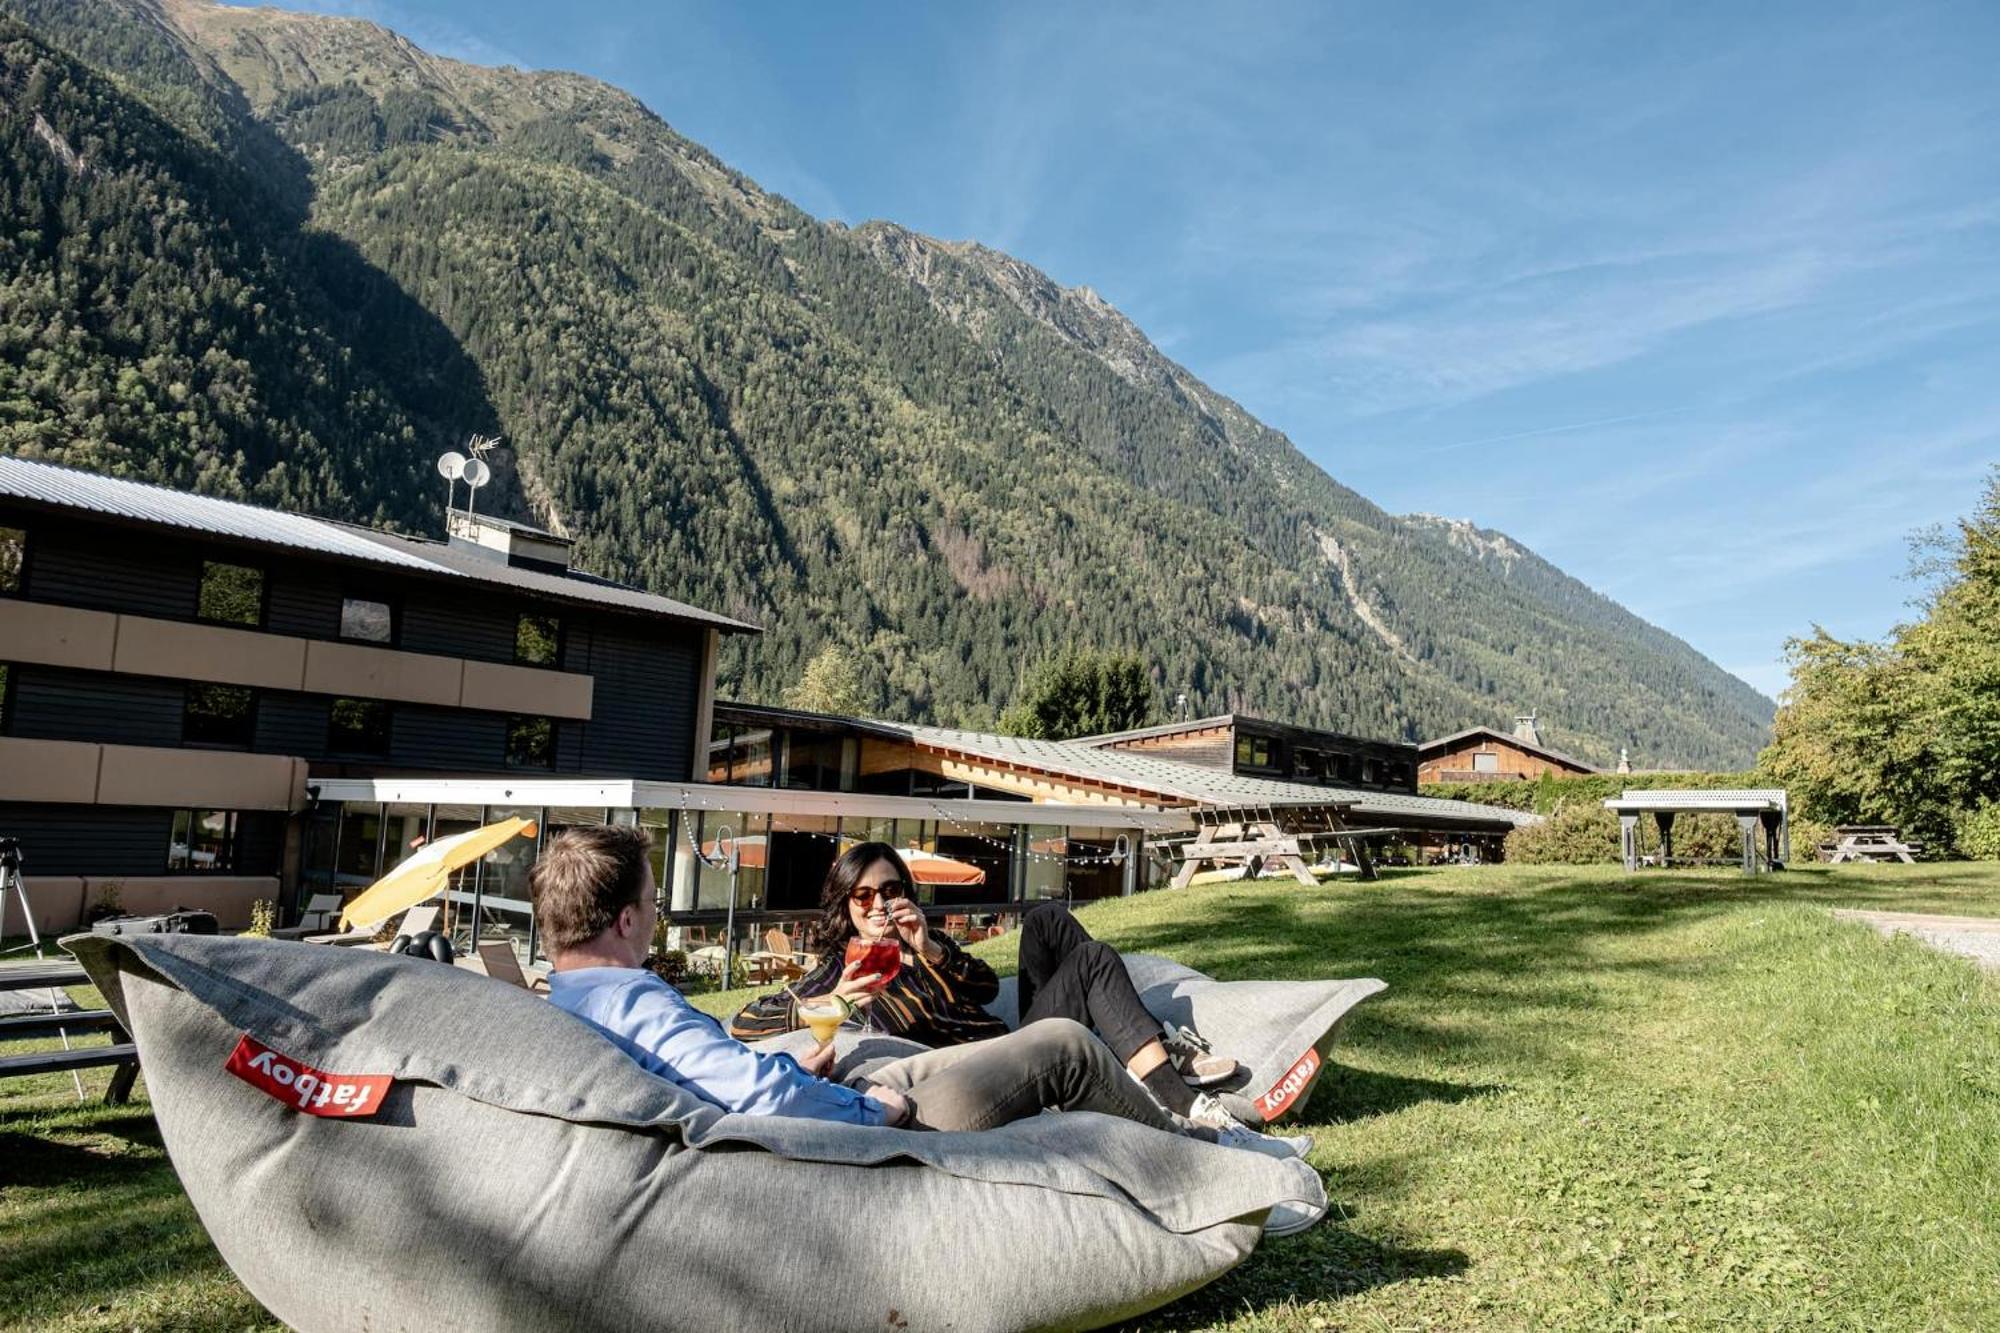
[
  {"x": 1328, "y": 1263},
  {"x": 1345, "y": 1093}
]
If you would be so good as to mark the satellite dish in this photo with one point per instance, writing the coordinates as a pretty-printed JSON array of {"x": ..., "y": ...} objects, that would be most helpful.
[
  {"x": 475, "y": 473},
  {"x": 452, "y": 466}
]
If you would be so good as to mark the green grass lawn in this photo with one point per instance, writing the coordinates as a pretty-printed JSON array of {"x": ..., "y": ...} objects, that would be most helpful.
[{"x": 1586, "y": 1101}]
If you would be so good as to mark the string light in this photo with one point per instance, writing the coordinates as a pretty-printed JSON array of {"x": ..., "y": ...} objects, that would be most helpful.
[{"x": 1121, "y": 845}]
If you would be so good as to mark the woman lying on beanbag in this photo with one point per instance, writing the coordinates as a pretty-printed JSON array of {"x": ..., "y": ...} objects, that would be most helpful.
[
  {"x": 595, "y": 902},
  {"x": 937, "y": 994}
]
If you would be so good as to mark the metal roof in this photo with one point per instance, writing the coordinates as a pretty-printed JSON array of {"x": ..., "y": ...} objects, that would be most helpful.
[
  {"x": 1642, "y": 800},
  {"x": 573, "y": 585},
  {"x": 157, "y": 506},
  {"x": 1170, "y": 779}
]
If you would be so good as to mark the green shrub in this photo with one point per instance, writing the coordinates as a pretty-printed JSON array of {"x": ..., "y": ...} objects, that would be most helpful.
[
  {"x": 1977, "y": 832},
  {"x": 670, "y": 966},
  {"x": 263, "y": 915},
  {"x": 1579, "y": 834}
]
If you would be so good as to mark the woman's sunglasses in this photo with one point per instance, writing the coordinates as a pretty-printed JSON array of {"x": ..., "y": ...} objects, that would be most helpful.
[{"x": 864, "y": 895}]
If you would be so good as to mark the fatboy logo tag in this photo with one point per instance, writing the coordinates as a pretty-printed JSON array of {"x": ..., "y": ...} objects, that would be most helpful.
[
  {"x": 302, "y": 1087},
  {"x": 1287, "y": 1089}
]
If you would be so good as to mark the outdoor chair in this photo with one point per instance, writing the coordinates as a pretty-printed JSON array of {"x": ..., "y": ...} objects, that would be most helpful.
[
  {"x": 498, "y": 960},
  {"x": 321, "y": 910},
  {"x": 777, "y": 960}
]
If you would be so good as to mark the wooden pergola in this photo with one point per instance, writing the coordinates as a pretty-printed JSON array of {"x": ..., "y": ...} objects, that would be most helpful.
[{"x": 1761, "y": 816}]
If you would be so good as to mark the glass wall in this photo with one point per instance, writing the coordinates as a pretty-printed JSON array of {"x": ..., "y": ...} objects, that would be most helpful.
[
  {"x": 1044, "y": 874},
  {"x": 782, "y": 862},
  {"x": 802, "y": 848},
  {"x": 1092, "y": 878},
  {"x": 405, "y": 829},
  {"x": 986, "y": 847},
  {"x": 359, "y": 850}
]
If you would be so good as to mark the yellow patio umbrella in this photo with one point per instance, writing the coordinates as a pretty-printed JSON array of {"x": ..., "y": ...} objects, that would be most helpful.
[{"x": 429, "y": 870}]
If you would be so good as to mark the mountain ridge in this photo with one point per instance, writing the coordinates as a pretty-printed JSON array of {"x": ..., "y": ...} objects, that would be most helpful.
[{"x": 929, "y": 452}]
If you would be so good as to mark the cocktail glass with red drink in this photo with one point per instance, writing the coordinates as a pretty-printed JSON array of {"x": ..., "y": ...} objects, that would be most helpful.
[{"x": 884, "y": 956}]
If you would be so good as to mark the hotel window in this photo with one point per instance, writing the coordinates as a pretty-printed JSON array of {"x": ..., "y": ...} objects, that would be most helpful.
[
  {"x": 537, "y": 640},
  {"x": 220, "y": 715},
  {"x": 531, "y": 742},
  {"x": 231, "y": 594},
  {"x": 358, "y": 726},
  {"x": 203, "y": 842},
  {"x": 13, "y": 558},
  {"x": 1253, "y": 752},
  {"x": 367, "y": 621}
]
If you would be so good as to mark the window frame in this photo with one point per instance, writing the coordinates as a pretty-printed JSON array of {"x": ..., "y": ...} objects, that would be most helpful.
[
  {"x": 556, "y": 652},
  {"x": 20, "y": 588},
  {"x": 391, "y": 603},
  {"x": 249, "y": 741},
  {"x": 263, "y": 573},
  {"x": 507, "y": 758},
  {"x": 232, "y": 841},
  {"x": 334, "y": 751}
]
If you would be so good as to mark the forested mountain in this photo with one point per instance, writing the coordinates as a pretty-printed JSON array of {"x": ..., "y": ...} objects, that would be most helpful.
[{"x": 294, "y": 257}]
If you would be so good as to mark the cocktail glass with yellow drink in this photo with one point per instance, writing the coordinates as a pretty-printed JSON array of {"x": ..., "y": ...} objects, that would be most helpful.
[{"x": 824, "y": 1014}]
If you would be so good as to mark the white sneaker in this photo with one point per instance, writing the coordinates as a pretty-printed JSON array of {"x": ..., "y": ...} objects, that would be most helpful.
[
  {"x": 1233, "y": 1133},
  {"x": 1289, "y": 1219}
]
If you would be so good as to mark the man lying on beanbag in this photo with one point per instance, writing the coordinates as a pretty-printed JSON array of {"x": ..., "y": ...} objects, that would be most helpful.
[{"x": 594, "y": 898}]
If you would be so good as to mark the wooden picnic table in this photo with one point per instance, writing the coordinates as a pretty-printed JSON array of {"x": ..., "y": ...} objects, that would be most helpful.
[
  {"x": 1869, "y": 842},
  {"x": 52, "y": 976}
]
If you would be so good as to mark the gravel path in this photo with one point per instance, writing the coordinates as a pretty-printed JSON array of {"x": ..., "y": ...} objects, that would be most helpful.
[{"x": 1974, "y": 937}]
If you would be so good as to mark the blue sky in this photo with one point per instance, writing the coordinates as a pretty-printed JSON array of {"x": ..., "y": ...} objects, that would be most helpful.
[{"x": 1701, "y": 302}]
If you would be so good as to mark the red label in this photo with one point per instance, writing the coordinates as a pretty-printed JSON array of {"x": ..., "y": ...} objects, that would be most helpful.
[
  {"x": 1286, "y": 1090},
  {"x": 302, "y": 1087}
]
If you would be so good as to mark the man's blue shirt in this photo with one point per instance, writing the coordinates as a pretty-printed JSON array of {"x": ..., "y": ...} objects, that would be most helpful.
[{"x": 671, "y": 1038}]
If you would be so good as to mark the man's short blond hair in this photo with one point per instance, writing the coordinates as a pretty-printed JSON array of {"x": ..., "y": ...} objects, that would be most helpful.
[{"x": 584, "y": 879}]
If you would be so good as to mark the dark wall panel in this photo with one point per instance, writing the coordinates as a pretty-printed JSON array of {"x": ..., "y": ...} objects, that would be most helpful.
[
  {"x": 302, "y": 600},
  {"x": 260, "y": 842},
  {"x": 642, "y": 715},
  {"x": 89, "y": 839},
  {"x": 438, "y": 621},
  {"x": 447, "y": 739},
  {"x": 52, "y": 704},
  {"x": 115, "y": 571},
  {"x": 292, "y": 724}
]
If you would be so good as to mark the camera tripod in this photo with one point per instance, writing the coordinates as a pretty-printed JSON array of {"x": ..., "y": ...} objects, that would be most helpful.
[{"x": 12, "y": 885}]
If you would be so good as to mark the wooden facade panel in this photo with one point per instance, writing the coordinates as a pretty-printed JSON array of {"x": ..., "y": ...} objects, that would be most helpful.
[
  {"x": 1214, "y": 747},
  {"x": 1509, "y": 763}
]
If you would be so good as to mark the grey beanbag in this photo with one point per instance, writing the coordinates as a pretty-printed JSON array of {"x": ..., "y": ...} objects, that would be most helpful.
[
  {"x": 405, "y": 1146},
  {"x": 1282, "y": 1032}
]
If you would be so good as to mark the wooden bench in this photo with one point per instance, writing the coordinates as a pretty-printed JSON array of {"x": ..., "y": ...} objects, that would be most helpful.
[{"x": 53, "y": 976}]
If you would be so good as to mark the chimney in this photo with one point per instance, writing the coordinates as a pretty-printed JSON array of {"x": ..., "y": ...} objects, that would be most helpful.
[
  {"x": 511, "y": 543},
  {"x": 1624, "y": 760},
  {"x": 1524, "y": 729}
]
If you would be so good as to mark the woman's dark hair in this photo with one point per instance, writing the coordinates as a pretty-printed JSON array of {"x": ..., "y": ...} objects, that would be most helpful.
[{"x": 835, "y": 926}]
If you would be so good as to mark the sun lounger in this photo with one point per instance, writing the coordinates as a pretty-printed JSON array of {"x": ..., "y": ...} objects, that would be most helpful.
[{"x": 322, "y": 909}]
